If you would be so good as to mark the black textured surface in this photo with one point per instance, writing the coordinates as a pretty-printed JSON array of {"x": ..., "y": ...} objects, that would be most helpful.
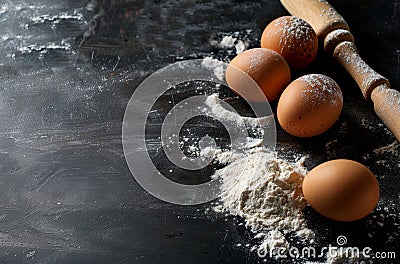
[{"x": 66, "y": 192}]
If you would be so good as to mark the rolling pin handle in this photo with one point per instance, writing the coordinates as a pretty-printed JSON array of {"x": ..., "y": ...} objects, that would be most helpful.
[
  {"x": 387, "y": 107},
  {"x": 333, "y": 38},
  {"x": 366, "y": 78}
]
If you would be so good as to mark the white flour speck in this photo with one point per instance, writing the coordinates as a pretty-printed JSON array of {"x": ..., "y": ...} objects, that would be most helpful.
[
  {"x": 216, "y": 65},
  {"x": 228, "y": 42}
]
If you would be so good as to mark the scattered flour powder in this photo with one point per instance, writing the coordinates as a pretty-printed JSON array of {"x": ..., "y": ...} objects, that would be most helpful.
[
  {"x": 227, "y": 42},
  {"x": 390, "y": 149},
  {"x": 259, "y": 187},
  {"x": 219, "y": 111},
  {"x": 230, "y": 41},
  {"x": 388, "y": 153}
]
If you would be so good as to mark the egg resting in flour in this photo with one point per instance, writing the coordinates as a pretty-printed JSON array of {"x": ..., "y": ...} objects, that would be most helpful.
[
  {"x": 342, "y": 190},
  {"x": 310, "y": 105},
  {"x": 265, "y": 67},
  {"x": 293, "y": 38}
]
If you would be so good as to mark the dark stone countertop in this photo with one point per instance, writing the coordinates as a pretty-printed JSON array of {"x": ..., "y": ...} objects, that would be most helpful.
[{"x": 67, "y": 71}]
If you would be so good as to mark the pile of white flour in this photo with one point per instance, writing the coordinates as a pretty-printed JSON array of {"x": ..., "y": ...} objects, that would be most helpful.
[{"x": 266, "y": 192}]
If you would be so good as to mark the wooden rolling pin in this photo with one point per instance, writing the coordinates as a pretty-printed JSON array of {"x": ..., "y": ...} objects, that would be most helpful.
[{"x": 333, "y": 30}]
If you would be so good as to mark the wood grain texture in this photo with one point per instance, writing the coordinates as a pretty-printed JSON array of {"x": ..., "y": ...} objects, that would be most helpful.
[
  {"x": 387, "y": 107},
  {"x": 319, "y": 14}
]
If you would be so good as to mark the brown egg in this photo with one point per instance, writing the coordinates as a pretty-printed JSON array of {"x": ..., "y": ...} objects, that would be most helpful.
[
  {"x": 293, "y": 38},
  {"x": 310, "y": 105},
  {"x": 266, "y": 67},
  {"x": 342, "y": 190}
]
